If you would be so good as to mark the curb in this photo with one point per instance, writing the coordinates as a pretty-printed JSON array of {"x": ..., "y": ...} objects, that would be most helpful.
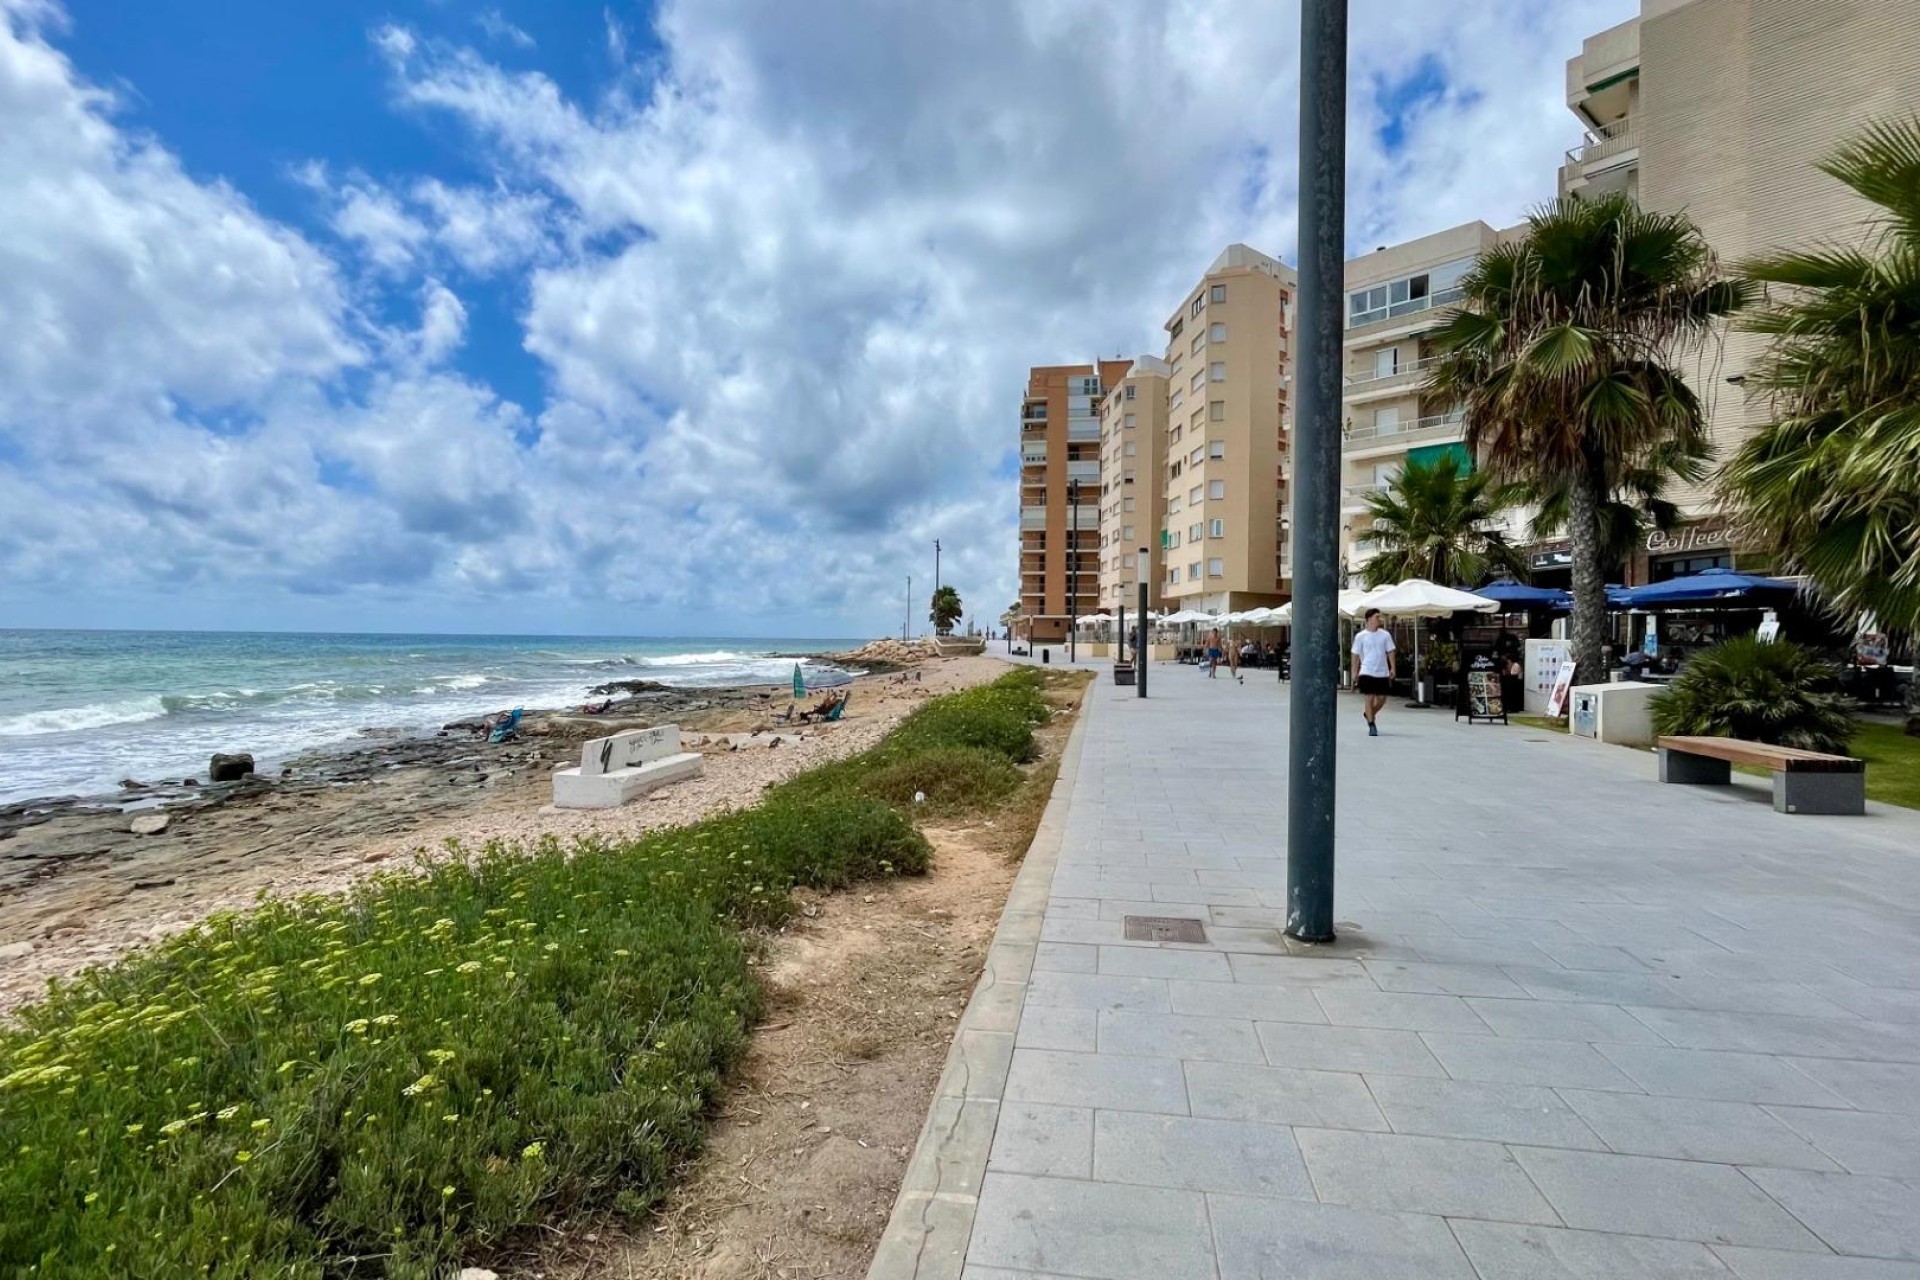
[{"x": 926, "y": 1236}]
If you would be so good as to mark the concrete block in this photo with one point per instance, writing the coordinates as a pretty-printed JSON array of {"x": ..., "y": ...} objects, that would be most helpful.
[
  {"x": 1879, "y": 1217},
  {"x": 575, "y": 790},
  {"x": 1097, "y": 1230}
]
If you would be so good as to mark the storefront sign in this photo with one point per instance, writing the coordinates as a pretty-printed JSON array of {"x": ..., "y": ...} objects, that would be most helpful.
[
  {"x": 1561, "y": 685},
  {"x": 1707, "y": 534}
]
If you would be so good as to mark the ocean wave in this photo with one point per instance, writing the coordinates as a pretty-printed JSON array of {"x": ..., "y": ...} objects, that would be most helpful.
[
  {"x": 698, "y": 659},
  {"x": 98, "y": 715},
  {"x": 468, "y": 681}
]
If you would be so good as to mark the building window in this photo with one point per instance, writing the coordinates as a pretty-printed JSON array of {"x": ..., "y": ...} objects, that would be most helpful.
[
  {"x": 1126, "y": 477},
  {"x": 1200, "y": 378},
  {"x": 1175, "y": 437},
  {"x": 1133, "y": 448},
  {"x": 1216, "y": 490},
  {"x": 1126, "y": 504},
  {"x": 1173, "y": 472},
  {"x": 1129, "y": 396},
  {"x": 1216, "y": 448},
  {"x": 1196, "y": 531},
  {"x": 1176, "y": 328},
  {"x": 1196, "y": 495},
  {"x": 1126, "y": 561},
  {"x": 1193, "y": 572},
  {"x": 1199, "y": 301},
  {"x": 1173, "y": 539},
  {"x": 1219, "y": 294},
  {"x": 1216, "y": 528},
  {"x": 1218, "y": 333},
  {"x": 1133, "y": 419},
  {"x": 1217, "y": 411},
  {"x": 1198, "y": 455},
  {"x": 1217, "y": 371},
  {"x": 1173, "y": 506},
  {"x": 1126, "y": 533},
  {"x": 1175, "y": 402},
  {"x": 1216, "y": 569}
]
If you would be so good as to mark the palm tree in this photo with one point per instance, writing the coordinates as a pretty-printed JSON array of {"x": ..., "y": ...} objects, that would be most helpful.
[
  {"x": 1635, "y": 503},
  {"x": 1434, "y": 522},
  {"x": 1832, "y": 485},
  {"x": 946, "y": 610},
  {"x": 1560, "y": 354}
]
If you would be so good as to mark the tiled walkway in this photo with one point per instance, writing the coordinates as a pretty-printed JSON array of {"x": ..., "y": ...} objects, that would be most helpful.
[{"x": 1578, "y": 1024}]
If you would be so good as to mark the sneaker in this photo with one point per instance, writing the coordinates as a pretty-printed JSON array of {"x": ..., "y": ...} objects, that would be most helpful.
[{"x": 1373, "y": 730}]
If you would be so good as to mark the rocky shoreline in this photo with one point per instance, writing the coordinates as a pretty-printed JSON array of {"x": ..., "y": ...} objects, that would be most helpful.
[{"x": 81, "y": 878}]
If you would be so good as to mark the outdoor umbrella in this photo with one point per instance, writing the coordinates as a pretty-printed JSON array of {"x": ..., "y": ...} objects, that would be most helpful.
[
  {"x": 1710, "y": 586},
  {"x": 1354, "y": 602},
  {"x": 1418, "y": 598},
  {"x": 1514, "y": 596}
]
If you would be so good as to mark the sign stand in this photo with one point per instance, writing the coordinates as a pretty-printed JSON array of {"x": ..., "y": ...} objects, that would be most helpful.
[{"x": 1480, "y": 695}]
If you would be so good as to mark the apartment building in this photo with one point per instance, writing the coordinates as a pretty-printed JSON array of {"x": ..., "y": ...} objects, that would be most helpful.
[
  {"x": 1396, "y": 296},
  {"x": 1059, "y": 462},
  {"x": 1720, "y": 109},
  {"x": 1229, "y": 369},
  {"x": 1133, "y": 444}
]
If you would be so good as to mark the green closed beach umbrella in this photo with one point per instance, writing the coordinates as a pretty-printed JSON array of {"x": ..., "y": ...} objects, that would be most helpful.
[{"x": 799, "y": 682}]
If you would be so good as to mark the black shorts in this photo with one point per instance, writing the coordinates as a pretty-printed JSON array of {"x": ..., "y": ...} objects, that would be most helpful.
[{"x": 1378, "y": 686}]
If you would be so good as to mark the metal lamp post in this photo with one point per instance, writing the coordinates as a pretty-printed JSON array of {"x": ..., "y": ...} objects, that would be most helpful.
[
  {"x": 1143, "y": 650},
  {"x": 1316, "y": 515},
  {"x": 1073, "y": 567}
]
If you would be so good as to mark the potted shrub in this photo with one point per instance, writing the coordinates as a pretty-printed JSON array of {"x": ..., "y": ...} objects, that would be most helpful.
[{"x": 1748, "y": 688}]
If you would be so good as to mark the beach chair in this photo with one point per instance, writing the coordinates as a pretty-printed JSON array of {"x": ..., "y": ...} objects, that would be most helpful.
[
  {"x": 507, "y": 728},
  {"x": 839, "y": 708}
]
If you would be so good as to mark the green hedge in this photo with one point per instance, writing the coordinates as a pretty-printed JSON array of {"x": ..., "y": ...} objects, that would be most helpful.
[{"x": 370, "y": 1085}]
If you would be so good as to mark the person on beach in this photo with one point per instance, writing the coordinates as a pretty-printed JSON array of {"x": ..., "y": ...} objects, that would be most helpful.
[
  {"x": 1373, "y": 668},
  {"x": 1213, "y": 653}
]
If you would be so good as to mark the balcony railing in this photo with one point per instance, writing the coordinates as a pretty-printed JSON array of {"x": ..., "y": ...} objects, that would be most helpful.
[
  {"x": 1364, "y": 382},
  {"x": 1033, "y": 413},
  {"x": 1606, "y": 141},
  {"x": 1414, "y": 431}
]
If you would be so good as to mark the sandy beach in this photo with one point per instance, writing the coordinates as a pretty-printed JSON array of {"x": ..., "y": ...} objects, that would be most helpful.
[{"x": 79, "y": 886}]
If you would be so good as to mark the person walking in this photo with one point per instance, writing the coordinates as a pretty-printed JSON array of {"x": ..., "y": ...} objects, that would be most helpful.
[
  {"x": 1213, "y": 653},
  {"x": 1373, "y": 668},
  {"x": 1233, "y": 660}
]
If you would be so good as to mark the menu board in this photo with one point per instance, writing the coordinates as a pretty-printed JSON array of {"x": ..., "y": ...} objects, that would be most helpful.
[{"x": 1482, "y": 697}]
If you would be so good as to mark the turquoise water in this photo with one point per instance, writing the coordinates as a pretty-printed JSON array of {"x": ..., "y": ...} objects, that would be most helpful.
[{"x": 80, "y": 710}]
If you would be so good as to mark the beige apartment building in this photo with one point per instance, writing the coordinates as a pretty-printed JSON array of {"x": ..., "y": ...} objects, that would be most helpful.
[
  {"x": 1229, "y": 373},
  {"x": 1396, "y": 296},
  {"x": 1060, "y": 540},
  {"x": 1720, "y": 109},
  {"x": 1133, "y": 444}
]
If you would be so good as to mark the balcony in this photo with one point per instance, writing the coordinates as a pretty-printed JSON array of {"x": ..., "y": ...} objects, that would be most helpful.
[
  {"x": 1084, "y": 472},
  {"x": 1604, "y": 142},
  {"x": 1435, "y": 429},
  {"x": 1373, "y": 386},
  {"x": 1033, "y": 518},
  {"x": 1034, "y": 412},
  {"x": 1083, "y": 431}
]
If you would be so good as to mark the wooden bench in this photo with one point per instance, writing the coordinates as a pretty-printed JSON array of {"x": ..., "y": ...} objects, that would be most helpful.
[{"x": 1803, "y": 781}]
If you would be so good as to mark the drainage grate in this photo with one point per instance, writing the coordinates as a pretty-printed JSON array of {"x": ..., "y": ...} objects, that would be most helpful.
[{"x": 1164, "y": 929}]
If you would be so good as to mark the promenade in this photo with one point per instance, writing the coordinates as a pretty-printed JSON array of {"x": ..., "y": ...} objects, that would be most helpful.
[{"x": 1577, "y": 1024}]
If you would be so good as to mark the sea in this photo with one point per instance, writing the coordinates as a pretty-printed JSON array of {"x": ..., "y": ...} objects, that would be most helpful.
[{"x": 82, "y": 710}]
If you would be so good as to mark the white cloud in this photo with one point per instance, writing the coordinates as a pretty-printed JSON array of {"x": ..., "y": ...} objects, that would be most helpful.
[
  {"x": 785, "y": 291},
  {"x": 496, "y": 26}
]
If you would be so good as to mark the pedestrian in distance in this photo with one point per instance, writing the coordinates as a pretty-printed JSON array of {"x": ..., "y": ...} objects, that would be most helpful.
[
  {"x": 1233, "y": 660},
  {"x": 1373, "y": 668},
  {"x": 1213, "y": 653}
]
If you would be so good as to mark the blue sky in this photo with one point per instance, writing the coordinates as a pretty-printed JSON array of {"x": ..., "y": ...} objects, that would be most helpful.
[{"x": 583, "y": 317}]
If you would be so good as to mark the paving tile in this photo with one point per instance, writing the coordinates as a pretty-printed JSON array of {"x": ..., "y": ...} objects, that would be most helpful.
[
  {"x": 952, "y": 1152},
  {"x": 1082, "y": 905},
  {"x": 1216, "y": 896},
  {"x": 1264, "y": 1239},
  {"x": 1756, "y": 997},
  {"x": 1509, "y": 1251},
  {"x": 1870, "y": 1086},
  {"x": 1043, "y": 1027},
  {"x": 1173, "y": 1035},
  {"x": 979, "y": 1068},
  {"x": 1483, "y": 1111},
  {"x": 1282, "y": 1095},
  {"x": 1862, "y": 1141},
  {"x": 1099, "y": 991},
  {"x": 1066, "y": 957},
  {"x": 1296, "y": 1044},
  {"x": 1734, "y": 1077},
  {"x": 1854, "y": 1038},
  {"x": 1147, "y": 962},
  {"x": 1446, "y": 949},
  {"x": 1694, "y": 1129},
  {"x": 1092, "y": 932},
  {"x": 1118, "y": 909},
  {"x": 1676, "y": 1199},
  {"x": 1650, "y": 990},
  {"x": 1355, "y": 1006},
  {"x": 1553, "y": 1063},
  {"x": 1885, "y": 1004},
  {"x": 1591, "y": 955},
  {"x": 1043, "y": 1140},
  {"x": 1245, "y": 1000},
  {"x": 1775, "y": 1264},
  {"x": 1878, "y": 1217},
  {"x": 1294, "y": 971},
  {"x": 1097, "y": 1080},
  {"x": 1198, "y": 1154},
  {"x": 1404, "y": 1173},
  {"x": 1563, "y": 1020},
  {"x": 1103, "y": 1231},
  {"x": 1269, "y": 942},
  {"x": 1442, "y": 979}
]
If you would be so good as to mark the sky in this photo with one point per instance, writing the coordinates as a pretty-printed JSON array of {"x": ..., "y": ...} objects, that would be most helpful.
[{"x": 704, "y": 318}]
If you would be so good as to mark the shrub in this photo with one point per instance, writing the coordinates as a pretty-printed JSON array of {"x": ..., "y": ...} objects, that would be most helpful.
[
  {"x": 1745, "y": 688},
  {"x": 369, "y": 1085}
]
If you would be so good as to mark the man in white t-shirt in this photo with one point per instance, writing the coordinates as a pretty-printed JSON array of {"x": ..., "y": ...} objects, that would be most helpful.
[{"x": 1373, "y": 664}]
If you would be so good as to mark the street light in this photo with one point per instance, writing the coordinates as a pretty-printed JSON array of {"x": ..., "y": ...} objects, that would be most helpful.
[
  {"x": 1073, "y": 565},
  {"x": 1316, "y": 513}
]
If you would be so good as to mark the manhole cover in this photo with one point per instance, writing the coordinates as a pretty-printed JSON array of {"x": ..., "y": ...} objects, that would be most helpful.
[{"x": 1164, "y": 929}]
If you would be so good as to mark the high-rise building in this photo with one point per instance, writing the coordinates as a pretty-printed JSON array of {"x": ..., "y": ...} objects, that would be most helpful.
[
  {"x": 1720, "y": 109},
  {"x": 1396, "y": 296},
  {"x": 1133, "y": 495},
  {"x": 1229, "y": 365},
  {"x": 1059, "y": 463}
]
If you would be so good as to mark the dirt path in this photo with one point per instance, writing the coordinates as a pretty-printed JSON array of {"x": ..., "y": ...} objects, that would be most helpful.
[{"x": 807, "y": 1153}]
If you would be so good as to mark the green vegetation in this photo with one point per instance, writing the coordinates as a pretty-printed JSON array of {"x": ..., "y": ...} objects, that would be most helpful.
[
  {"x": 1563, "y": 353},
  {"x": 1746, "y": 688},
  {"x": 1893, "y": 763},
  {"x": 1829, "y": 485},
  {"x": 369, "y": 1086},
  {"x": 946, "y": 610},
  {"x": 1438, "y": 522}
]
